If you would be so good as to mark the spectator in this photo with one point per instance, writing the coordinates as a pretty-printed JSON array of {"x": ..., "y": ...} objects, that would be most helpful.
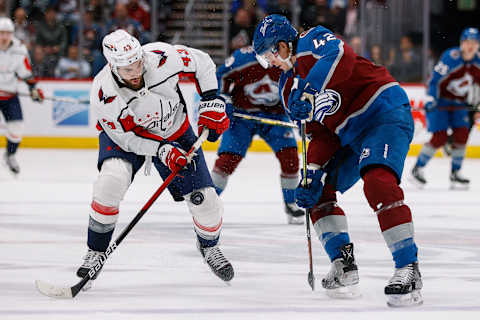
[
  {"x": 52, "y": 35},
  {"x": 97, "y": 7},
  {"x": 139, "y": 11},
  {"x": 24, "y": 30},
  {"x": 122, "y": 21},
  {"x": 92, "y": 36},
  {"x": 408, "y": 67},
  {"x": 67, "y": 12},
  {"x": 282, "y": 7},
  {"x": 42, "y": 66},
  {"x": 376, "y": 55},
  {"x": 356, "y": 44},
  {"x": 317, "y": 12},
  {"x": 71, "y": 66},
  {"x": 241, "y": 30}
]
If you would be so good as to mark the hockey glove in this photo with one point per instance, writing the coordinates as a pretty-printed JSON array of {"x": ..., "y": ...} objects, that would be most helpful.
[
  {"x": 37, "y": 95},
  {"x": 307, "y": 196},
  {"x": 213, "y": 117},
  {"x": 301, "y": 99},
  {"x": 172, "y": 156},
  {"x": 473, "y": 95}
]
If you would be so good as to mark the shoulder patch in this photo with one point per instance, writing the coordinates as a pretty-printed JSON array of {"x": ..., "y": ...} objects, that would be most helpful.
[
  {"x": 162, "y": 57},
  {"x": 103, "y": 98},
  {"x": 229, "y": 61},
  {"x": 455, "y": 54}
]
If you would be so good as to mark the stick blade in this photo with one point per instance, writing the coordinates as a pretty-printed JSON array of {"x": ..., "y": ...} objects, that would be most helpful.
[
  {"x": 311, "y": 280},
  {"x": 53, "y": 291}
]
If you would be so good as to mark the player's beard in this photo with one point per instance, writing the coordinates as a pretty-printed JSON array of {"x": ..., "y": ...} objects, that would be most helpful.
[{"x": 135, "y": 84}]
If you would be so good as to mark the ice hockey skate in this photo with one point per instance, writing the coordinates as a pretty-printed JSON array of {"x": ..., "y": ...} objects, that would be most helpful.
[
  {"x": 458, "y": 181},
  {"x": 11, "y": 163},
  {"x": 403, "y": 289},
  {"x": 217, "y": 262},
  {"x": 341, "y": 282},
  {"x": 295, "y": 215},
  {"x": 418, "y": 177},
  {"x": 89, "y": 261}
]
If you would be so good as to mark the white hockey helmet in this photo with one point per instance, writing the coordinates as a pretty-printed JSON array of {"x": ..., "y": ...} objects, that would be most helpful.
[
  {"x": 6, "y": 24},
  {"x": 121, "y": 49}
]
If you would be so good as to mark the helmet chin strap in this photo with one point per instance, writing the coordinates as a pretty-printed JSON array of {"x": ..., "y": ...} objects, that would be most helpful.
[{"x": 287, "y": 60}]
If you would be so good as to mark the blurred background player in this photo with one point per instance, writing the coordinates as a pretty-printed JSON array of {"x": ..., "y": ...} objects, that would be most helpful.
[
  {"x": 142, "y": 116},
  {"x": 253, "y": 90},
  {"x": 349, "y": 103},
  {"x": 453, "y": 89},
  {"x": 15, "y": 64}
]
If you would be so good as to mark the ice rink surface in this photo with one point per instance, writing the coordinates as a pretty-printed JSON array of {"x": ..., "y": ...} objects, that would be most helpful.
[{"x": 157, "y": 273}]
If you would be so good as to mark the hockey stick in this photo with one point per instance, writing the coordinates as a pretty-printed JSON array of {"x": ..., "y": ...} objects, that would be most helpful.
[
  {"x": 70, "y": 292},
  {"x": 57, "y": 99},
  {"x": 311, "y": 277},
  {"x": 272, "y": 122}
]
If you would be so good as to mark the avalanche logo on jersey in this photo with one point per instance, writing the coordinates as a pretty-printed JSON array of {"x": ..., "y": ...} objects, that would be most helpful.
[
  {"x": 459, "y": 87},
  {"x": 262, "y": 92},
  {"x": 163, "y": 57},
  {"x": 104, "y": 99},
  {"x": 326, "y": 103}
]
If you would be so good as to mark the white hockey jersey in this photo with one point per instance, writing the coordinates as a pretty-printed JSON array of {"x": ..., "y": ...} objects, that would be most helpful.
[
  {"x": 137, "y": 121},
  {"x": 14, "y": 64}
]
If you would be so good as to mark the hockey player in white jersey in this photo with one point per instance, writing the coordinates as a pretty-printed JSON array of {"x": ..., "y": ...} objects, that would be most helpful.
[
  {"x": 14, "y": 64},
  {"x": 143, "y": 119}
]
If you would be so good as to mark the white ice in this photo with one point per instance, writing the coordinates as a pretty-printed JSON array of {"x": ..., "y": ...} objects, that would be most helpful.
[{"x": 157, "y": 273}]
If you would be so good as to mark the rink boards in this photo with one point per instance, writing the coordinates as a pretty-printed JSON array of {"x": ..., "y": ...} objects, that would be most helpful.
[{"x": 55, "y": 124}]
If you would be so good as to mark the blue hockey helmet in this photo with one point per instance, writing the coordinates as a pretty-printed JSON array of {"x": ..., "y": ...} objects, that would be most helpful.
[
  {"x": 269, "y": 32},
  {"x": 470, "y": 33}
]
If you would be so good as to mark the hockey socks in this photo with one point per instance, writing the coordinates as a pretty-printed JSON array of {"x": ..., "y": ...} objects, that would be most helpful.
[{"x": 385, "y": 197}]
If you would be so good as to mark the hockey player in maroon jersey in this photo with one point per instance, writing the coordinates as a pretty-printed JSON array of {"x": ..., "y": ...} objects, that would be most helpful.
[
  {"x": 360, "y": 124},
  {"x": 253, "y": 90},
  {"x": 453, "y": 89}
]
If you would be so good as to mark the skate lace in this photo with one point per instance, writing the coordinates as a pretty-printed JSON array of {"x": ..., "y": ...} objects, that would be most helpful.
[
  {"x": 90, "y": 258},
  {"x": 215, "y": 258},
  {"x": 402, "y": 275},
  {"x": 11, "y": 161}
]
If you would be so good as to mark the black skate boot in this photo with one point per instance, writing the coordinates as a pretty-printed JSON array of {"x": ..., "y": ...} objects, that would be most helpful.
[
  {"x": 11, "y": 163},
  {"x": 458, "y": 181},
  {"x": 89, "y": 261},
  {"x": 217, "y": 262},
  {"x": 295, "y": 215},
  {"x": 403, "y": 289},
  {"x": 418, "y": 176},
  {"x": 342, "y": 279}
]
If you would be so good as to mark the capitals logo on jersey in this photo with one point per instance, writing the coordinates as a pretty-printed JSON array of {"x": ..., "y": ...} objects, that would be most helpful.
[
  {"x": 103, "y": 98},
  {"x": 163, "y": 57},
  {"x": 262, "y": 92}
]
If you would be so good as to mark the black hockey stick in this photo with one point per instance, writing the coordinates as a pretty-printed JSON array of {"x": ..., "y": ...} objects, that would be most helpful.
[
  {"x": 70, "y": 292},
  {"x": 311, "y": 277}
]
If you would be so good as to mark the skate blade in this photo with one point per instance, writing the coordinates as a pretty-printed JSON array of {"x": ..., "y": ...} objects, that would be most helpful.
[
  {"x": 295, "y": 220},
  {"x": 416, "y": 183},
  {"x": 348, "y": 292},
  {"x": 405, "y": 300},
  {"x": 459, "y": 186}
]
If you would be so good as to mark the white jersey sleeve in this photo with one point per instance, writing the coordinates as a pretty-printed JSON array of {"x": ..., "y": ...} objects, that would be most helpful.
[
  {"x": 200, "y": 63},
  {"x": 115, "y": 119},
  {"x": 14, "y": 63}
]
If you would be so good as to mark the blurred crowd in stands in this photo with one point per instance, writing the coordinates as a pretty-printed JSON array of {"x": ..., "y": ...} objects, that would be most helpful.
[
  {"x": 340, "y": 16},
  {"x": 50, "y": 30}
]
